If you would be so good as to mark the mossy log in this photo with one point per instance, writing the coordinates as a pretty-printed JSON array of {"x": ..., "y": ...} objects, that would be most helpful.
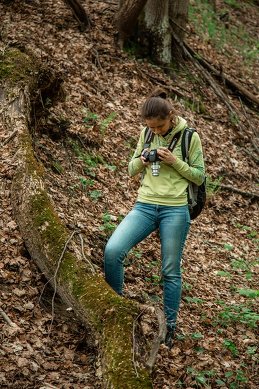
[{"x": 111, "y": 317}]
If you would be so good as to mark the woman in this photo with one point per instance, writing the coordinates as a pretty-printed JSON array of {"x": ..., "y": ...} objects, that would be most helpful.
[{"x": 161, "y": 203}]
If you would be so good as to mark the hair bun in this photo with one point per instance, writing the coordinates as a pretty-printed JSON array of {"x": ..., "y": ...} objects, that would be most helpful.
[{"x": 159, "y": 92}]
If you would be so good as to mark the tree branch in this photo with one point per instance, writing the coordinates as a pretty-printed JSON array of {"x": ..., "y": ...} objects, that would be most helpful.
[
  {"x": 239, "y": 191},
  {"x": 79, "y": 13},
  {"x": 7, "y": 318},
  {"x": 230, "y": 82}
]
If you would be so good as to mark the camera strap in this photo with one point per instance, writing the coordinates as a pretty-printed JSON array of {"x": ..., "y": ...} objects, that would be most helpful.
[
  {"x": 149, "y": 135},
  {"x": 174, "y": 140}
]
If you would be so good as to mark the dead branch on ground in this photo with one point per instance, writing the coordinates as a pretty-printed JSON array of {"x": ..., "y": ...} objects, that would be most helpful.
[{"x": 228, "y": 81}]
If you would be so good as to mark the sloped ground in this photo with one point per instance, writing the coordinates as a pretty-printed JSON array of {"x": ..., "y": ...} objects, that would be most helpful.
[{"x": 84, "y": 142}]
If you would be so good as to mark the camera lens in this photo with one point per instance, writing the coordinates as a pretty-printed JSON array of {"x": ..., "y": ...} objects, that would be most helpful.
[{"x": 155, "y": 166}]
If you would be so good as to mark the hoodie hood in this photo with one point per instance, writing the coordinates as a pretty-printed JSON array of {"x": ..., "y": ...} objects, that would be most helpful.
[{"x": 180, "y": 125}]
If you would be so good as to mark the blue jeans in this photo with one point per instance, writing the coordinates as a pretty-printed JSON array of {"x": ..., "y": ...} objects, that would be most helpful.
[{"x": 173, "y": 224}]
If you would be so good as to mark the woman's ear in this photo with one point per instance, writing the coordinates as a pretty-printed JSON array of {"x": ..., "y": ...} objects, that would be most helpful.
[{"x": 171, "y": 115}]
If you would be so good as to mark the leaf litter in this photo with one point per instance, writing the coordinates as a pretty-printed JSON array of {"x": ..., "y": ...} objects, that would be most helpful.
[{"x": 86, "y": 176}]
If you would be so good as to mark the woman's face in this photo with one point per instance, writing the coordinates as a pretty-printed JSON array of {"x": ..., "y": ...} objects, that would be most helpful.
[{"x": 159, "y": 126}]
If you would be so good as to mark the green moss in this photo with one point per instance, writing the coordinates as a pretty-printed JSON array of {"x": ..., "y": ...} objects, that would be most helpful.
[
  {"x": 107, "y": 311},
  {"x": 121, "y": 368},
  {"x": 109, "y": 314},
  {"x": 16, "y": 67}
]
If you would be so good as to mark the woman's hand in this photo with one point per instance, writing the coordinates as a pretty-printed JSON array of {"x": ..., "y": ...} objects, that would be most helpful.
[
  {"x": 165, "y": 155},
  {"x": 145, "y": 163}
]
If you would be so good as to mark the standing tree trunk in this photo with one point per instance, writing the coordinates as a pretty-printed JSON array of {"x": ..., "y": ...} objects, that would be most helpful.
[
  {"x": 127, "y": 17},
  {"x": 150, "y": 24},
  {"x": 156, "y": 24}
]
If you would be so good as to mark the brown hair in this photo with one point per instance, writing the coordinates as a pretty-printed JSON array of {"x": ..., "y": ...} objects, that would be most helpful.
[{"x": 156, "y": 105}]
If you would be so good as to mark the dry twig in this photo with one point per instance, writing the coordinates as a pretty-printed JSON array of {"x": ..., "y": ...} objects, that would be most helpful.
[
  {"x": 10, "y": 137},
  {"x": 83, "y": 255},
  {"x": 54, "y": 278},
  {"x": 239, "y": 191},
  {"x": 7, "y": 318},
  {"x": 134, "y": 340}
]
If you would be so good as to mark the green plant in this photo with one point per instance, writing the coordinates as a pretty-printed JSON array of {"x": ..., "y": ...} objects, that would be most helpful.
[
  {"x": 237, "y": 314},
  {"x": 57, "y": 167},
  {"x": 251, "y": 350},
  {"x": 197, "y": 335},
  {"x": 195, "y": 105},
  {"x": 85, "y": 183},
  {"x": 228, "y": 344},
  {"x": 92, "y": 119},
  {"x": 228, "y": 246},
  {"x": 95, "y": 194},
  {"x": 224, "y": 273},
  {"x": 90, "y": 159},
  {"x": 212, "y": 186},
  {"x": 105, "y": 122},
  {"x": 154, "y": 279},
  {"x": 195, "y": 300},
  {"x": 201, "y": 377},
  {"x": 187, "y": 286},
  {"x": 152, "y": 264},
  {"x": 250, "y": 293},
  {"x": 222, "y": 36},
  {"x": 137, "y": 253},
  {"x": 251, "y": 233},
  {"x": 232, "y": 3},
  {"x": 235, "y": 378},
  {"x": 241, "y": 265},
  {"x": 108, "y": 225}
]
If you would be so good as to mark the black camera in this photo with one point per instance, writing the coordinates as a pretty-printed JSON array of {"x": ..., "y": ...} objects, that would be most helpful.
[{"x": 151, "y": 156}]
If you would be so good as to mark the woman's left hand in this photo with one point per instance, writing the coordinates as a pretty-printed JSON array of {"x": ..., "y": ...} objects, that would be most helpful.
[{"x": 165, "y": 155}]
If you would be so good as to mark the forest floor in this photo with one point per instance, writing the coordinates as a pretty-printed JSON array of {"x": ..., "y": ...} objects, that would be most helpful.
[{"x": 84, "y": 141}]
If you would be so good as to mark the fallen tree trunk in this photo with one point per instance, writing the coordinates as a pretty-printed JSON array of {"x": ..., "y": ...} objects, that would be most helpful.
[
  {"x": 111, "y": 317},
  {"x": 230, "y": 82}
]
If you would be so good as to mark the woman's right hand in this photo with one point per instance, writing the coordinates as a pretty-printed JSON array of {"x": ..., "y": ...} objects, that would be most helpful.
[{"x": 143, "y": 159}]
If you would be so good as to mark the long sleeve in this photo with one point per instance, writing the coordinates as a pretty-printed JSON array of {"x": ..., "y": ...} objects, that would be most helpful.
[
  {"x": 135, "y": 165},
  {"x": 194, "y": 172}
]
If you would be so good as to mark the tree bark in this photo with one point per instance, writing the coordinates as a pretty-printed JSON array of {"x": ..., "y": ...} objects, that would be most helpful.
[
  {"x": 111, "y": 317},
  {"x": 79, "y": 13},
  {"x": 156, "y": 23},
  {"x": 150, "y": 23},
  {"x": 128, "y": 16}
]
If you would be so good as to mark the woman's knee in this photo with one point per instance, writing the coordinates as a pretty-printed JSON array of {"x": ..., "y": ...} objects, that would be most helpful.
[
  {"x": 171, "y": 272},
  {"x": 113, "y": 252}
]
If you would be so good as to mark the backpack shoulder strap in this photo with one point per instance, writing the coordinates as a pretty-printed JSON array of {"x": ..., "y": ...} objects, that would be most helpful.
[
  {"x": 186, "y": 141},
  {"x": 149, "y": 135}
]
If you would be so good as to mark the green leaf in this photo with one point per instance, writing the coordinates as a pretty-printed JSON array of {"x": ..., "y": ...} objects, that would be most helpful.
[
  {"x": 220, "y": 383},
  {"x": 228, "y": 246},
  {"x": 223, "y": 273},
  {"x": 197, "y": 335},
  {"x": 250, "y": 293},
  {"x": 201, "y": 379}
]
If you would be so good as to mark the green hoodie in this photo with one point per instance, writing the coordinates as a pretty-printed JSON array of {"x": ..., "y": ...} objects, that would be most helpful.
[{"x": 169, "y": 188}]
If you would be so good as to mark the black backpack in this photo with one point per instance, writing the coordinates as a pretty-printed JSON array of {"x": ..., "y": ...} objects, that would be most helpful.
[{"x": 196, "y": 193}]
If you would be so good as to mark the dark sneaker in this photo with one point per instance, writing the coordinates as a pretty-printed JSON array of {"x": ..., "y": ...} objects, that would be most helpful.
[{"x": 169, "y": 337}]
